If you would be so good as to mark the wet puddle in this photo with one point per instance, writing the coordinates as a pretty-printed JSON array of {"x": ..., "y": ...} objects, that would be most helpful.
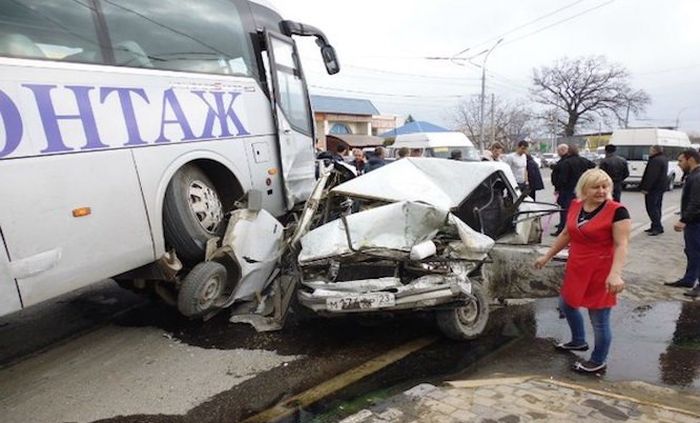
[{"x": 657, "y": 343}]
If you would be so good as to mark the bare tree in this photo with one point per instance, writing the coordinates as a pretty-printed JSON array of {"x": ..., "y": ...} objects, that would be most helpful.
[
  {"x": 586, "y": 89},
  {"x": 511, "y": 122}
]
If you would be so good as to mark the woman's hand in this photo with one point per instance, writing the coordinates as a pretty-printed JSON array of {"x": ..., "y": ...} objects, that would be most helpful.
[
  {"x": 614, "y": 283},
  {"x": 541, "y": 262}
]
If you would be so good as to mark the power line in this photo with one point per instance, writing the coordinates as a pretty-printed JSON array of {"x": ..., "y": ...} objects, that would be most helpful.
[
  {"x": 560, "y": 22},
  {"x": 385, "y": 94},
  {"x": 510, "y": 31}
]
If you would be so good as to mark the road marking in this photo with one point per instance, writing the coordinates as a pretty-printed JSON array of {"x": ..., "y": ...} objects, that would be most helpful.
[
  {"x": 639, "y": 227},
  {"x": 339, "y": 382}
]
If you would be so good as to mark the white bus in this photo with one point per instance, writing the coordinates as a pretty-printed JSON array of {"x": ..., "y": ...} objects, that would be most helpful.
[
  {"x": 633, "y": 145},
  {"x": 128, "y": 128}
]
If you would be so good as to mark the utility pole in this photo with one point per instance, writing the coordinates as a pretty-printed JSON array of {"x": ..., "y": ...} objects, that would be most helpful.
[
  {"x": 483, "y": 93},
  {"x": 493, "y": 128}
]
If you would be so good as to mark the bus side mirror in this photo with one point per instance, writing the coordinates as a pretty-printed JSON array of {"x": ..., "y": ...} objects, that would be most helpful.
[{"x": 330, "y": 59}]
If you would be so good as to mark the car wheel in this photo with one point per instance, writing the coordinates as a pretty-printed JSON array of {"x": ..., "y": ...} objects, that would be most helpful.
[
  {"x": 468, "y": 321},
  {"x": 192, "y": 213},
  {"x": 201, "y": 289},
  {"x": 671, "y": 182}
]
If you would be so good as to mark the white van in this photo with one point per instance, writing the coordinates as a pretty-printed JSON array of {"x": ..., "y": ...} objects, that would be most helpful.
[
  {"x": 435, "y": 144},
  {"x": 633, "y": 145}
]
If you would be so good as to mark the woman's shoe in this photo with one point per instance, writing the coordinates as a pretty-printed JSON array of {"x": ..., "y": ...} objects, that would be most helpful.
[
  {"x": 570, "y": 346},
  {"x": 590, "y": 367}
]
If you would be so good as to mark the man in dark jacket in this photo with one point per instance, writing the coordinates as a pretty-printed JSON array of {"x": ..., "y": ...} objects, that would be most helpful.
[
  {"x": 569, "y": 170},
  {"x": 689, "y": 223},
  {"x": 534, "y": 177},
  {"x": 654, "y": 184},
  {"x": 376, "y": 161},
  {"x": 616, "y": 167}
]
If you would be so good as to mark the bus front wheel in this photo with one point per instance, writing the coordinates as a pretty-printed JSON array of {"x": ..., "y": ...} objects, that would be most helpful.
[{"x": 192, "y": 213}]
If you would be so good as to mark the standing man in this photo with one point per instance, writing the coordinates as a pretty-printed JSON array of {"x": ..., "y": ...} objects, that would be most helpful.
[
  {"x": 653, "y": 185},
  {"x": 376, "y": 161},
  {"x": 616, "y": 167},
  {"x": 534, "y": 177},
  {"x": 689, "y": 223},
  {"x": 568, "y": 171},
  {"x": 518, "y": 164}
]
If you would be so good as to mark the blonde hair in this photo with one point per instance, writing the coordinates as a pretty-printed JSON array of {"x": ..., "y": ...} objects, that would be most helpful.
[{"x": 592, "y": 177}]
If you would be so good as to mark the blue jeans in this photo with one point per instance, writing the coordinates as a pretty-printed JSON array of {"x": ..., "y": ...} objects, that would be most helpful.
[
  {"x": 602, "y": 334},
  {"x": 691, "y": 234}
]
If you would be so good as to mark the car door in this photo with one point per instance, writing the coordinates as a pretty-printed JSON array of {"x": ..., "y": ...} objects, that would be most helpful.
[{"x": 293, "y": 116}]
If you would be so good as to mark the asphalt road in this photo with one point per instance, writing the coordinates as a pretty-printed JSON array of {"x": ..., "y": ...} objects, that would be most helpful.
[{"x": 105, "y": 354}]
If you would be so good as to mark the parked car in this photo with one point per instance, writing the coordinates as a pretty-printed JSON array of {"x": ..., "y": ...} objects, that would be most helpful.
[
  {"x": 420, "y": 234},
  {"x": 548, "y": 159},
  {"x": 537, "y": 160}
]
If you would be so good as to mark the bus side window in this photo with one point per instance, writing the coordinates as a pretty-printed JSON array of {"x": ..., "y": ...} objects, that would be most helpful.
[
  {"x": 41, "y": 29},
  {"x": 205, "y": 36}
]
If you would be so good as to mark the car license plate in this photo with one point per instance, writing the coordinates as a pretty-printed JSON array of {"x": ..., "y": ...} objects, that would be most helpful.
[{"x": 361, "y": 301}]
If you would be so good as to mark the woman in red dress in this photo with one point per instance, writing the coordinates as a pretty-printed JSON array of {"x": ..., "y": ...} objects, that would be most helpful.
[{"x": 597, "y": 233}]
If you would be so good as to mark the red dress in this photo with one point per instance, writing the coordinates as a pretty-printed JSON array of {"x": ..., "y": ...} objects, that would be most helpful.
[{"x": 590, "y": 258}]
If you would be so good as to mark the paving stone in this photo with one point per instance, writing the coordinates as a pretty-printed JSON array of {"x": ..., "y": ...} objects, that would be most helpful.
[
  {"x": 420, "y": 390},
  {"x": 457, "y": 402},
  {"x": 463, "y": 416},
  {"x": 443, "y": 408},
  {"x": 485, "y": 401},
  {"x": 437, "y": 394},
  {"x": 391, "y": 414}
]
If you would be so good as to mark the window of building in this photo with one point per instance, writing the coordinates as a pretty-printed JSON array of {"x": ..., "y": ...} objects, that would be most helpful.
[{"x": 340, "y": 128}]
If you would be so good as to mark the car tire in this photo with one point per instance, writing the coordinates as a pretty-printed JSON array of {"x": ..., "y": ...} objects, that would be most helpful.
[
  {"x": 192, "y": 214},
  {"x": 468, "y": 321},
  {"x": 202, "y": 289}
]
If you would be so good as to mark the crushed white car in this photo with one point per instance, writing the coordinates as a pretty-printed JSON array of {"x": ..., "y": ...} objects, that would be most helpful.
[{"x": 418, "y": 234}]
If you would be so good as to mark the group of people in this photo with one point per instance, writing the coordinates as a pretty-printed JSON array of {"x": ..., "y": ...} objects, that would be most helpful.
[
  {"x": 376, "y": 159},
  {"x": 525, "y": 168},
  {"x": 359, "y": 161}
]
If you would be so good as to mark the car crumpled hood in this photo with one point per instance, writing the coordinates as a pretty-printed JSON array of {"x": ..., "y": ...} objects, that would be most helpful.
[
  {"x": 439, "y": 182},
  {"x": 391, "y": 231}
]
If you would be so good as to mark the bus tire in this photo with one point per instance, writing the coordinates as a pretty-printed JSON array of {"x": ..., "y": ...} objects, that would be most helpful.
[
  {"x": 201, "y": 289},
  {"x": 468, "y": 321},
  {"x": 192, "y": 213}
]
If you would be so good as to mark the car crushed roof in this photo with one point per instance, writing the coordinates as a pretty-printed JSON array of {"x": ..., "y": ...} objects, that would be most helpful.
[{"x": 438, "y": 182}]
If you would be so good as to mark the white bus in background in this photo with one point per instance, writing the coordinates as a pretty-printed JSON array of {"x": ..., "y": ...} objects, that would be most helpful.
[
  {"x": 129, "y": 128},
  {"x": 633, "y": 145}
]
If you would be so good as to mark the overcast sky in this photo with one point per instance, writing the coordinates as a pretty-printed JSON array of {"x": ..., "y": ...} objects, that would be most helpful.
[{"x": 382, "y": 45}]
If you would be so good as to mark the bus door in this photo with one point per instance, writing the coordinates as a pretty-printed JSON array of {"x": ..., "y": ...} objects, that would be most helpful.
[
  {"x": 9, "y": 295},
  {"x": 293, "y": 115}
]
